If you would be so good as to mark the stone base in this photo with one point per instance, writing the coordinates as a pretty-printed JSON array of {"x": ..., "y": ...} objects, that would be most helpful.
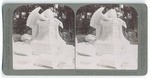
[
  {"x": 44, "y": 60},
  {"x": 104, "y": 47},
  {"x": 39, "y": 47}
]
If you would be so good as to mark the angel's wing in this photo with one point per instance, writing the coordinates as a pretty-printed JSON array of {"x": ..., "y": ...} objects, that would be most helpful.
[
  {"x": 97, "y": 17},
  {"x": 31, "y": 20}
]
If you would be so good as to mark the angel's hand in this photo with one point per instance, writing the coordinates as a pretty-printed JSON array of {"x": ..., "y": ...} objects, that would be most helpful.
[
  {"x": 61, "y": 25},
  {"x": 124, "y": 24}
]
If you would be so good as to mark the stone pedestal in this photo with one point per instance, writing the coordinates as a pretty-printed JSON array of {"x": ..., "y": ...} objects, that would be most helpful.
[
  {"x": 39, "y": 47},
  {"x": 104, "y": 47}
]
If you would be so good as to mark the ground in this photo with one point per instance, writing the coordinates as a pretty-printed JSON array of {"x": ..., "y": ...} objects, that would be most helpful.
[{"x": 24, "y": 59}]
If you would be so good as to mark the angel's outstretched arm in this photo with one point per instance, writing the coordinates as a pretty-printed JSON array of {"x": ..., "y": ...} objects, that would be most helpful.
[
  {"x": 59, "y": 23},
  {"x": 42, "y": 17},
  {"x": 102, "y": 16},
  {"x": 123, "y": 23}
]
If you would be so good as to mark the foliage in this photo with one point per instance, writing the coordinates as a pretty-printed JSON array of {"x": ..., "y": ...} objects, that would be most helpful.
[
  {"x": 64, "y": 14},
  {"x": 129, "y": 15}
]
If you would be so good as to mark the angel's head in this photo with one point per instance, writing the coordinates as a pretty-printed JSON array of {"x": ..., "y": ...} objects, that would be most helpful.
[
  {"x": 48, "y": 13},
  {"x": 111, "y": 13}
]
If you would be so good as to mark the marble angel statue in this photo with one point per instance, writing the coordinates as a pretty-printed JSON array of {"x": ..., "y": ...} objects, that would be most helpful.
[
  {"x": 45, "y": 32},
  {"x": 46, "y": 41},
  {"x": 109, "y": 35}
]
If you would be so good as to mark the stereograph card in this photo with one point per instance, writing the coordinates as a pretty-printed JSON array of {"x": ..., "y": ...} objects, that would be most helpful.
[{"x": 74, "y": 39}]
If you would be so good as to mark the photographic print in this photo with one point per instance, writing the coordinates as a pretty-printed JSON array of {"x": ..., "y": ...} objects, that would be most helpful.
[
  {"x": 107, "y": 37},
  {"x": 43, "y": 37}
]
